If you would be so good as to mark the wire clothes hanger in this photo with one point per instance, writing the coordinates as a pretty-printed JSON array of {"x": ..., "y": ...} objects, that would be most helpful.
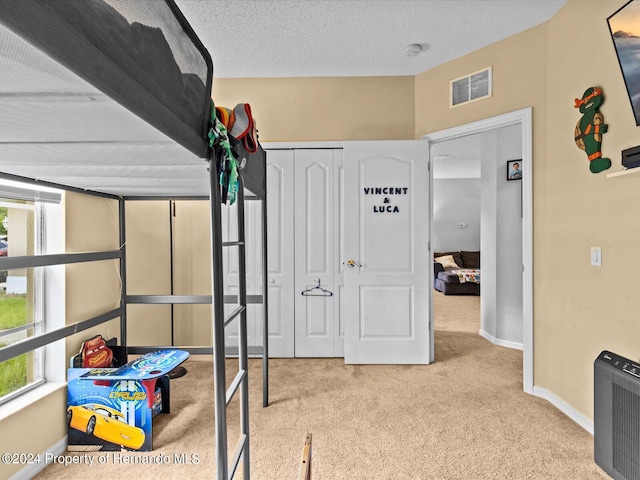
[{"x": 317, "y": 291}]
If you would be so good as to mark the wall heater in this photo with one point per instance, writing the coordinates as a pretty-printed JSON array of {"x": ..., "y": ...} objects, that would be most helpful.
[{"x": 616, "y": 416}]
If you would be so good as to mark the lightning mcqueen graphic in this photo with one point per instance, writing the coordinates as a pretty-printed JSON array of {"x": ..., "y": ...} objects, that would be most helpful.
[{"x": 105, "y": 423}]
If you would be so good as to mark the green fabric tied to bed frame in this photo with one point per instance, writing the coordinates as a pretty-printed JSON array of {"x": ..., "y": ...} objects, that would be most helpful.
[{"x": 226, "y": 161}]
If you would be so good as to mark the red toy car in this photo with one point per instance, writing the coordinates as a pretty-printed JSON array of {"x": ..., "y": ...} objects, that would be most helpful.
[{"x": 95, "y": 353}]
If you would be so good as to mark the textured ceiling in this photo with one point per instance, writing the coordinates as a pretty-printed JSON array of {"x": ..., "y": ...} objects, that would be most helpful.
[{"x": 303, "y": 38}]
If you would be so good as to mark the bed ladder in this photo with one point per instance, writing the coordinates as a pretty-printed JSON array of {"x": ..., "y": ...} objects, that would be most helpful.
[{"x": 223, "y": 396}]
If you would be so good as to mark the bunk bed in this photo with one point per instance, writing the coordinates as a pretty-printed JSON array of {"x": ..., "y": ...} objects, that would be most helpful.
[{"x": 112, "y": 98}]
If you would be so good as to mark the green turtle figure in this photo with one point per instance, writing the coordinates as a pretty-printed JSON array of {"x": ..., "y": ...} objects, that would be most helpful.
[{"x": 590, "y": 127}]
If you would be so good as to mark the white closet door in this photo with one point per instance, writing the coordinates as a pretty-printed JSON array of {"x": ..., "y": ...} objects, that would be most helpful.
[
  {"x": 280, "y": 259},
  {"x": 314, "y": 253},
  {"x": 387, "y": 293}
]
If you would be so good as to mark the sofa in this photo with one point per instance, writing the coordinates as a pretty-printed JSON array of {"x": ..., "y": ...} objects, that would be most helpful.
[{"x": 457, "y": 273}]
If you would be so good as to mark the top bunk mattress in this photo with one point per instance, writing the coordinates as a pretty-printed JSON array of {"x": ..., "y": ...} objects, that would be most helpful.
[{"x": 111, "y": 96}]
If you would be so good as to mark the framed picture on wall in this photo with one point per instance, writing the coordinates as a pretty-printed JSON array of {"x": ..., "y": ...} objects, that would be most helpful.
[
  {"x": 624, "y": 25},
  {"x": 514, "y": 169}
]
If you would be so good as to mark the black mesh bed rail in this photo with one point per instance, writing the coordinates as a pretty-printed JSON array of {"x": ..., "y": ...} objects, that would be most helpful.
[{"x": 143, "y": 54}]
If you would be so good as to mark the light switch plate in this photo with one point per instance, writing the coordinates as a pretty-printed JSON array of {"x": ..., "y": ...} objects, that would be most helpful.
[{"x": 596, "y": 257}]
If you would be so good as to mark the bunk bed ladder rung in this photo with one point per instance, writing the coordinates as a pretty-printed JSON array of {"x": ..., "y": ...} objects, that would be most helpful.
[
  {"x": 242, "y": 444},
  {"x": 240, "y": 377},
  {"x": 233, "y": 244},
  {"x": 234, "y": 314}
]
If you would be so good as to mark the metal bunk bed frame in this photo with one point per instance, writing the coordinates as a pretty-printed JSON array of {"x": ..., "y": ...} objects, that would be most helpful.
[
  {"x": 219, "y": 350},
  {"x": 218, "y": 300},
  {"x": 30, "y": 19},
  {"x": 220, "y": 320}
]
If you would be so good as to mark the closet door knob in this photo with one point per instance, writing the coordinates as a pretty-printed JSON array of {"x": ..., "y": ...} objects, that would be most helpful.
[
  {"x": 351, "y": 263},
  {"x": 272, "y": 280}
]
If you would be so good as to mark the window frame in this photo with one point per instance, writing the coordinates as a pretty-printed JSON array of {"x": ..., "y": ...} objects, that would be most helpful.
[{"x": 41, "y": 203}]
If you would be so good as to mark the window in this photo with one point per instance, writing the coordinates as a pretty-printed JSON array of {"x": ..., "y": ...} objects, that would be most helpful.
[
  {"x": 23, "y": 213},
  {"x": 471, "y": 87}
]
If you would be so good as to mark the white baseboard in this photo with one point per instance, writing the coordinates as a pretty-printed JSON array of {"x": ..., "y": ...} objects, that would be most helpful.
[
  {"x": 31, "y": 470},
  {"x": 551, "y": 397},
  {"x": 565, "y": 408},
  {"x": 501, "y": 343}
]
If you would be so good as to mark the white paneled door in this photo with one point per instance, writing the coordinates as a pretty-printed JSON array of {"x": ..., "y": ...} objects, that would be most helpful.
[
  {"x": 305, "y": 246},
  {"x": 280, "y": 244},
  {"x": 280, "y": 278},
  {"x": 387, "y": 266},
  {"x": 317, "y": 331}
]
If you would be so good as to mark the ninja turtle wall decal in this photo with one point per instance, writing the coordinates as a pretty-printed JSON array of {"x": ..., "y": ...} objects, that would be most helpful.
[{"x": 589, "y": 129}]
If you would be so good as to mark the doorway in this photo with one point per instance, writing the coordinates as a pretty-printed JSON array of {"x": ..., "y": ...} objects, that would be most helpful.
[
  {"x": 456, "y": 235},
  {"x": 523, "y": 120}
]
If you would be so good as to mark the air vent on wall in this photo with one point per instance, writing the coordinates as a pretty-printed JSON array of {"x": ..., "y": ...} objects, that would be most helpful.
[{"x": 469, "y": 88}]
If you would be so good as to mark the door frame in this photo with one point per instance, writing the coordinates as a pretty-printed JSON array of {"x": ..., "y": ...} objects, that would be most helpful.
[{"x": 523, "y": 117}]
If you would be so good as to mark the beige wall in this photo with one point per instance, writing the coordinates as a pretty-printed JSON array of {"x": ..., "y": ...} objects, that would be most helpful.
[
  {"x": 192, "y": 270},
  {"x": 19, "y": 434},
  {"x": 148, "y": 271},
  {"x": 579, "y": 310},
  {"x": 519, "y": 81},
  {"x": 92, "y": 288},
  {"x": 318, "y": 109}
]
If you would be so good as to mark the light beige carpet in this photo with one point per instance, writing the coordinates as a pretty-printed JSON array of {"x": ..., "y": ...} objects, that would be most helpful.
[{"x": 464, "y": 417}]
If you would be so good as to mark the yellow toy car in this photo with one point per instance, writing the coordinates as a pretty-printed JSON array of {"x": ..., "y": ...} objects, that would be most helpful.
[{"x": 105, "y": 423}]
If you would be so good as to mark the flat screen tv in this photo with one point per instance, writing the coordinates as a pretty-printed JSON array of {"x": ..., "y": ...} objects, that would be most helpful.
[{"x": 624, "y": 25}]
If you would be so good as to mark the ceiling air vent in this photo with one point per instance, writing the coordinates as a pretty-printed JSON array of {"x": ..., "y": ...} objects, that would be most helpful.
[{"x": 470, "y": 87}]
